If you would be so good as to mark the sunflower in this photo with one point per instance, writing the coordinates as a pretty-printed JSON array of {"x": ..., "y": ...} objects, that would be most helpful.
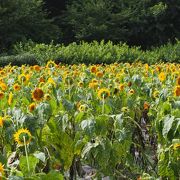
[
  {"x": 146, "y": 106},
  {"x": 47, "y": 97},
  {"x": 94, "y": 81},
  {"x": 103, "y": 93},
  {"x": 41, "y": 79},
  {"x": 24, "y": 78},
  {"x": 177, "y": 91},
  {"x": 129, "y": 84},
  {"x": 93, "y": 69},
  {"x": 3, "y": 86},
  {"x": 32, "y": 106},
  {"x": 93, "y": 85},
  {"x": 37, "y": 94},
  {"x": 51, "y": 64},
  {"x": 155, "y": 94},
  {"x": 146, "y": 67},
  {"x": 131, "y": 91},
  {"x": 36, "y": 67},
  {"x": 176, "y": 146},
  {"x": 2, "y": 72},
  {"x": 10, "y": 98},
  {"x": 78, "y": 104},
  {"x": 125, "y": 109},
  {"x": 1, "y": 170},
  {"x": 1, "y": 121},
  {"x": 178, "y": 81},
  {"x": 162, "y": 76},
  {"x": 80, "y": 84},
  {"x": 1, "y": 94},
  {"x": 158, "y": 68},
  {"x": 83, "y": 108},
  {"x": 99, "y": 74},
  {"x": 51, "y": 81},
  {"x": 121, "y": 87},
  {"x": 16, "y": 87},
  {"x": 22, "y": 134}
]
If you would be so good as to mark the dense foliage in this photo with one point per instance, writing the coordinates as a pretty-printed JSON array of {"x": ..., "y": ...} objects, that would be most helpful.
[
  {"x": 145, "y": 22},
  {"x": 79, "y": 121},
  {"x": 142, "y": 23},
  {"x": 21, "y": 20},
  {"x": 90, "y": 53}
]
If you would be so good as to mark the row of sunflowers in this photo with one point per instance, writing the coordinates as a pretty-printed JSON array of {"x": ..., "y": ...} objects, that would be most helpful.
[{"x": 119, "y": 121}]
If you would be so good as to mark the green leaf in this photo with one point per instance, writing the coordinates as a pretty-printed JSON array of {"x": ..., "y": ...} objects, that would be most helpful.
[
  {"x": 79, "y": 117},
  {"x": 32, "y": 165},
  {"x": 168, "y": 121},
  {"x": 44, "y": 112},
  {"x": 88, "y": 147},
  {"x": 15, "y": 178},
  {"x": 40, "y": 156},
  {"x": 52, "y": 175}
]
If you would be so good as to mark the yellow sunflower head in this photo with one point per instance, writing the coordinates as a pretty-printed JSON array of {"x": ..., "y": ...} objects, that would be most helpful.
[
  {"x": 1, "y": 170},
  {"x": 36, "y": 67},
  {"x": 178, "y": 81},
  {"x": 93, "y": 69},
  {"x": 1, "y": 121},
  {"x": 99, "y": 74},
  {"x": 51, "y": 81},
  {"x": 94, "y": 81},
  {"x": 32, "y": 106},
  {"x": 146, "y": 106},
  {"x": 80, "y": 84},
  {"x": 176, "y": 146},
  {"x": 121, "y": 87},
  {"x": 16, "y": 87},
  {"x": 103, "y": 93},
  {"x": 1, "y": 94},
  {"x": 22, "y": 137},
  {"x": 23, "y": 78},
  {"x": 162, "y": 76},
  {"x": 93, "y": 85},
  {"x": 3, "y": 86},
  {"x": 10, "y": 98},
  {"x": 51, "y": 64},
  {"x": 83, "y": 108},
  {"x": 47, "y": 97},
  {"x": 131, "y": 91},
  {"x": 177, "y": 91},
  {"x": 155, "y": 94},
  {"x": 41, "y": 79},
  {"x": 37, "y": 94},
  {"x": 125, "y": 109}
]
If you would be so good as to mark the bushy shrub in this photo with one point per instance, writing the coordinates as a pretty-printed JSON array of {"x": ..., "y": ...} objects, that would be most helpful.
[
  {"x": 94, "y": 52},
  {"x": 19, "y": 60}
]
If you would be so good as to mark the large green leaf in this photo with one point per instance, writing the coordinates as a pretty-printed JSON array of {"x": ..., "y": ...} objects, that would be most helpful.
[
  {"x": 32, "y": 165},
  {"x": 168, "y": 121},
  {"x": 52, "y": 175}
]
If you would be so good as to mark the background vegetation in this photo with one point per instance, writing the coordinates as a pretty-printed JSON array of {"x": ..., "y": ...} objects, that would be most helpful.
[
  {"x": 142, "y": 23},
  {"x": 89, "y": 53}
]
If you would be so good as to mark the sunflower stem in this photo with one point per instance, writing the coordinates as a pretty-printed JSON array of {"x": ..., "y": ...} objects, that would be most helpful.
[
  {"x": 69, "y": 86},
  {"x": 103, "y": 101},
  {"x": 26, "y": 153}
]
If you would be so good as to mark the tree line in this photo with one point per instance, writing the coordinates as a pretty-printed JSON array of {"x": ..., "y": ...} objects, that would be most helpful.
[{"x": 142, "y": 23}]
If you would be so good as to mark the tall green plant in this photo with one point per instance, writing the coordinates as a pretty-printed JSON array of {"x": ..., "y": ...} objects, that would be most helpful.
[{"x": 21, "y": 20}]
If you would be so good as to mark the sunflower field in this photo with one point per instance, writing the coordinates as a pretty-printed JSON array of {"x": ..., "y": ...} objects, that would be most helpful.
[{"x": 116, "y": 121}]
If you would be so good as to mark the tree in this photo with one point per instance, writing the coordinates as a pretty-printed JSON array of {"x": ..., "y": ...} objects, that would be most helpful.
[
  {"x": 145, "y": 22},
  {"x": 22, "y": 19}
]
